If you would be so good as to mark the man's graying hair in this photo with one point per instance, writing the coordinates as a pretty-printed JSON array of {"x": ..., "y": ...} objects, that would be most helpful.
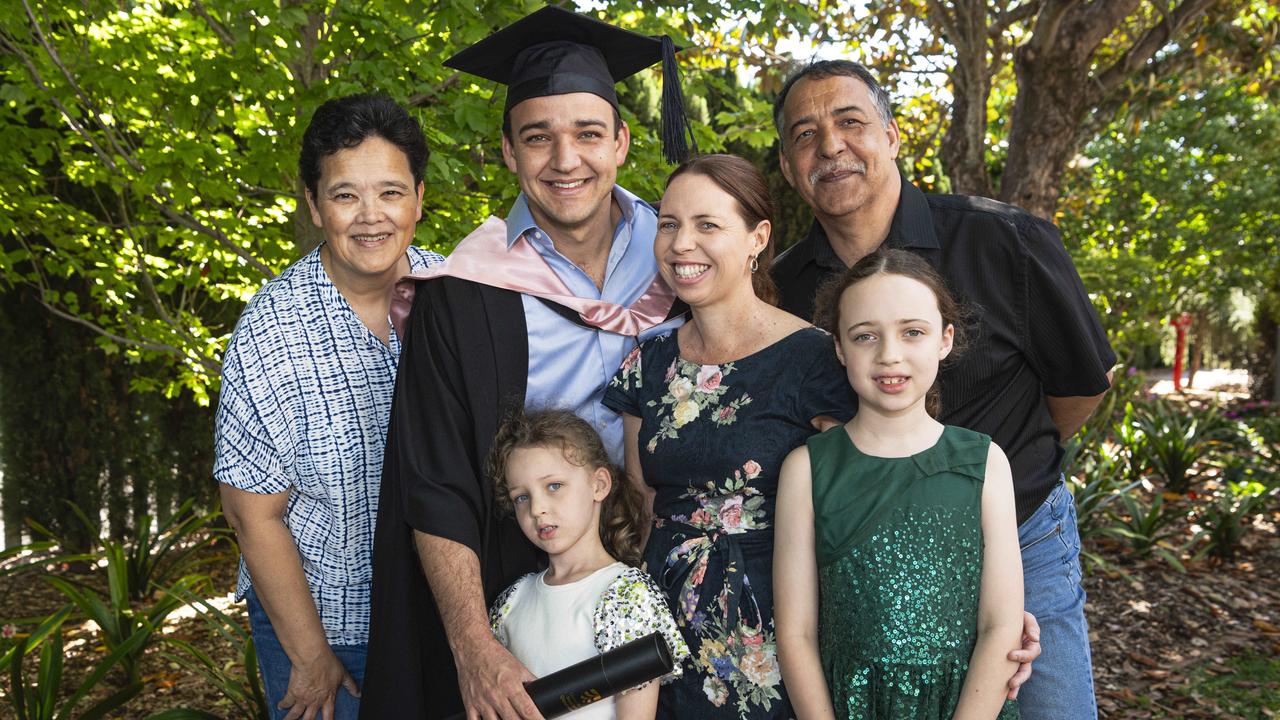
[{"x": 820, "y": 69}]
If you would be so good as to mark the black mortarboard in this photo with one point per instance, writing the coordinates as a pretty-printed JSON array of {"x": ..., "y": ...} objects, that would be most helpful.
[{"x": 555, "y": 52}]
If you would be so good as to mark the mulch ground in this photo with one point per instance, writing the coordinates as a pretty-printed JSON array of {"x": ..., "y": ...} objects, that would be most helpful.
[{"x": 1158, "y": 634}]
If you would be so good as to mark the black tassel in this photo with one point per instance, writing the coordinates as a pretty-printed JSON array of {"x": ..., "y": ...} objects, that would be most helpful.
[{"x": 675, "y": 121}]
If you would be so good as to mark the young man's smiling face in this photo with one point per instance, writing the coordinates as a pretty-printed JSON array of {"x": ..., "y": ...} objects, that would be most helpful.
[{"x": 565, "y": 150}]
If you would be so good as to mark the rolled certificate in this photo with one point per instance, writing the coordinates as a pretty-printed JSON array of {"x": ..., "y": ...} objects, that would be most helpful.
[{"x": 602, "y": 676}]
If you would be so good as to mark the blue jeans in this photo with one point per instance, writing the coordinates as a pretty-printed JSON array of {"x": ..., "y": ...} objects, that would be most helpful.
[
  {"x": 1061, "y": 684},
  {"x": 275, "y": 665}
]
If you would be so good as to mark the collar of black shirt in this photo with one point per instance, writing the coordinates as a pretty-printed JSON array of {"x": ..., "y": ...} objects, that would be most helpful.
[{"x": 912, "y": 227}]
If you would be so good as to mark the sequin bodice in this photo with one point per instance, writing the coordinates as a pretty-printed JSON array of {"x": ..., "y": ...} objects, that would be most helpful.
[{"x": 899, "y": 548}]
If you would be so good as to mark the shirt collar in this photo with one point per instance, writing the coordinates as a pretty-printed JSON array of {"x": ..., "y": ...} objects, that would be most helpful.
[
  {"x": 912, "y": 227},
  {"x": 520, "y": 219}
]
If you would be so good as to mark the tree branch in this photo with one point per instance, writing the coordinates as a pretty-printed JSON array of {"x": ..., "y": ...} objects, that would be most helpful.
[
  {"x": 938, "y": 13},
  {"x": 1106, "y": 110},
  {"x": 38, "y": 80},
  {"x": 1093, "y": 23},
  {"x": 218, "y": 28},
  {"x": 187, "y": 220},
  {"x": 143, "y": 344},
  {"x": 1151, "y": 41},
  {"x": 1008, "y": 18},
  {"x": 1048, "y": 22},
  {"x": 117, "y": 143},
  {"x": 429, "y": 98}
]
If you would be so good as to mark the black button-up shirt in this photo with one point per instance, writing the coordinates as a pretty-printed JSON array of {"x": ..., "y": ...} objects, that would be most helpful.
[{"x": 1034, "y": 330}]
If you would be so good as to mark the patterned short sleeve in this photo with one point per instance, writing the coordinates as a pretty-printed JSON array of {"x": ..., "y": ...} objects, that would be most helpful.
[
  {"x": 623, "y": 393},
  {"x": 502, "y": 608},
  {"x": 247, "y": 453},
  {"x": 634, "y": 606},
  {"x": 824, "y": 387}
]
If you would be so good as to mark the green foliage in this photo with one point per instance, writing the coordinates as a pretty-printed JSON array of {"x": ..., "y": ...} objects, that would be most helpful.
[
  {"x": 150, "y": 182},
  {"x": 1176, "y": 441},
  {"x": 238, "y": 682},
  {"x": 1225, "y": 521},
  {"x": 71, "y": 429},
  {"x": 41, "y": 701},
  {"x": 1097, "y": 482},
  {"x": 150, "y": 175},
  {"x": 1145, "y": 528},
  {"x": 153, "y": 560},
  {"x": 1179, "y": 212},
  {"x": 120, "y": 625},
  {"x": 138, "y": 571},
  {"x": 1245, "y": 685}
]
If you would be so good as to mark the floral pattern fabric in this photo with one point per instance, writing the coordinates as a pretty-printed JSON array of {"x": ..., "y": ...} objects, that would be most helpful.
[{"x": 712, "y": 441}]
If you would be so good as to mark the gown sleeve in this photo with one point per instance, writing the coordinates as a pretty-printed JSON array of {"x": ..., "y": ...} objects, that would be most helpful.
[
  {"x": 633, "y": 606},
  {"x": 623, "y": 392},
  {"x": 431, "y": 450}
]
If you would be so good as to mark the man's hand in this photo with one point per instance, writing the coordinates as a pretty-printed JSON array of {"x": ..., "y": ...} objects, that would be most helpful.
[
  {"x": 492, "y": 683},
  {"x": 313, "y": 687},
  {"x": 1029, "y": 652}
]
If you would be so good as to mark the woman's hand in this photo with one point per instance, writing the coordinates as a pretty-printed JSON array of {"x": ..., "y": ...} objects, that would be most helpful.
[{"x": 313, "y": 687}]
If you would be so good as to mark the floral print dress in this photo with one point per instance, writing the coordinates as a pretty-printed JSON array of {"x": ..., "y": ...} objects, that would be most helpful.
[{"x": 712, "y": 442}]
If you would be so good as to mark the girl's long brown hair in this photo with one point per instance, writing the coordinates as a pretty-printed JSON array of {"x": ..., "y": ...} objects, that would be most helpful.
[{"x": 623, "y": 512}]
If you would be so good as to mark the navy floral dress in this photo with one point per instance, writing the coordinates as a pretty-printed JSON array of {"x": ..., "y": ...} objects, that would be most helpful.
[{"x": 712, "y": 442}]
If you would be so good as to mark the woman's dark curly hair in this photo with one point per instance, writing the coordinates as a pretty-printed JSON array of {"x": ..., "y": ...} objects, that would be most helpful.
[
  {"x": 345, "y": 122},
  {"x": 623, "y": 513},
  {"x": 891, "y": 261}
]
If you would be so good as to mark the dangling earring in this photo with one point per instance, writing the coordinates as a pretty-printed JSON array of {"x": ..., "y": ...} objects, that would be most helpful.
[{"x": 755, "y": 264}]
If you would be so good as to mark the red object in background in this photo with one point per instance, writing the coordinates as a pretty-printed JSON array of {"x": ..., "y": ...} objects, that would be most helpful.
[{"x": 1179, "y": 323}]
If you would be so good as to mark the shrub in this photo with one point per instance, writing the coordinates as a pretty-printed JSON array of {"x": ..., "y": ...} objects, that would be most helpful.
[
  {"x": 1175, "y": 441},
  {"x": 1145, "y": 528},
  {"x": 39, "y": 701},
  {"x": 1225, "y": 521}
]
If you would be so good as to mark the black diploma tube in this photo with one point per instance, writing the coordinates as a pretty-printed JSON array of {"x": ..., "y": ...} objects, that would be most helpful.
[{"x": 597, "y": 678}]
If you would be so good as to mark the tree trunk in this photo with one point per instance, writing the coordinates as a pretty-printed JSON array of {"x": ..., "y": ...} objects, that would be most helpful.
[
  {"x": 1062, "y": 79},
  {"x": 964, "y": 143},
  {"x": 306, "y": 236},
  {"x": 1051, "y": 105},
  {"x": 1275, "y": 371}
]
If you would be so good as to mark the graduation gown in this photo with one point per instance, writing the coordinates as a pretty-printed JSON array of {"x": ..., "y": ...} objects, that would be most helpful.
[{"x": 463, "y": 367}]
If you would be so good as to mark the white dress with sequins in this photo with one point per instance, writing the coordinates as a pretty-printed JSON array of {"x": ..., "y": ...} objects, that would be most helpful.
[{"x": 550, "y": 627}]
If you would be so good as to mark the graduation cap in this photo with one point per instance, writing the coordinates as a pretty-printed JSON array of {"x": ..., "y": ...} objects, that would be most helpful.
[{"x": 555, "y": 52}]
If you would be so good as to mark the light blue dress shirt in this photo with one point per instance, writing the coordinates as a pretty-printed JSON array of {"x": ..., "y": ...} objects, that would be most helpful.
[{"x": 570, "y": 365}]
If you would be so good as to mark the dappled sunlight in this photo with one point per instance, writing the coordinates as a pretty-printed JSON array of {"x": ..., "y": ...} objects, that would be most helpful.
[{"x": 191, "y": 611}]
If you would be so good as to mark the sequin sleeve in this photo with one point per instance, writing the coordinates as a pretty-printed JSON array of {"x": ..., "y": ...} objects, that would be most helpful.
[
  {"x": 502, "y": 608},
  {"x": 633, "y": 606}
]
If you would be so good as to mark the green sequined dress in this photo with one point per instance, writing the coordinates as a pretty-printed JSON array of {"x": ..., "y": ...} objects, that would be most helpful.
[{"x": 899, "y": 550}]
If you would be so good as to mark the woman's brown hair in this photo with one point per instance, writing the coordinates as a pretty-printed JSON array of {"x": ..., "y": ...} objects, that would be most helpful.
[
  {"x": 744, "y": 183},
  {"x": 623, "y": 512},
  {"x": 890, "y": 261}
]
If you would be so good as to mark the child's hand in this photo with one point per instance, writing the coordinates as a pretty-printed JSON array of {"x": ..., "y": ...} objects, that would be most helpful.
[
  {"x": 1029, "y": 652},
  {"x": 824, "y": 422}
]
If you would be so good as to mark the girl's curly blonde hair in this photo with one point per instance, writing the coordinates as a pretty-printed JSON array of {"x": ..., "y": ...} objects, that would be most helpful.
[{"x": 623, "y": 513}]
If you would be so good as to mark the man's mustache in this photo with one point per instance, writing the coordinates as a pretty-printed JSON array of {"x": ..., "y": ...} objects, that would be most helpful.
[{"x": 834, "y": 166}]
